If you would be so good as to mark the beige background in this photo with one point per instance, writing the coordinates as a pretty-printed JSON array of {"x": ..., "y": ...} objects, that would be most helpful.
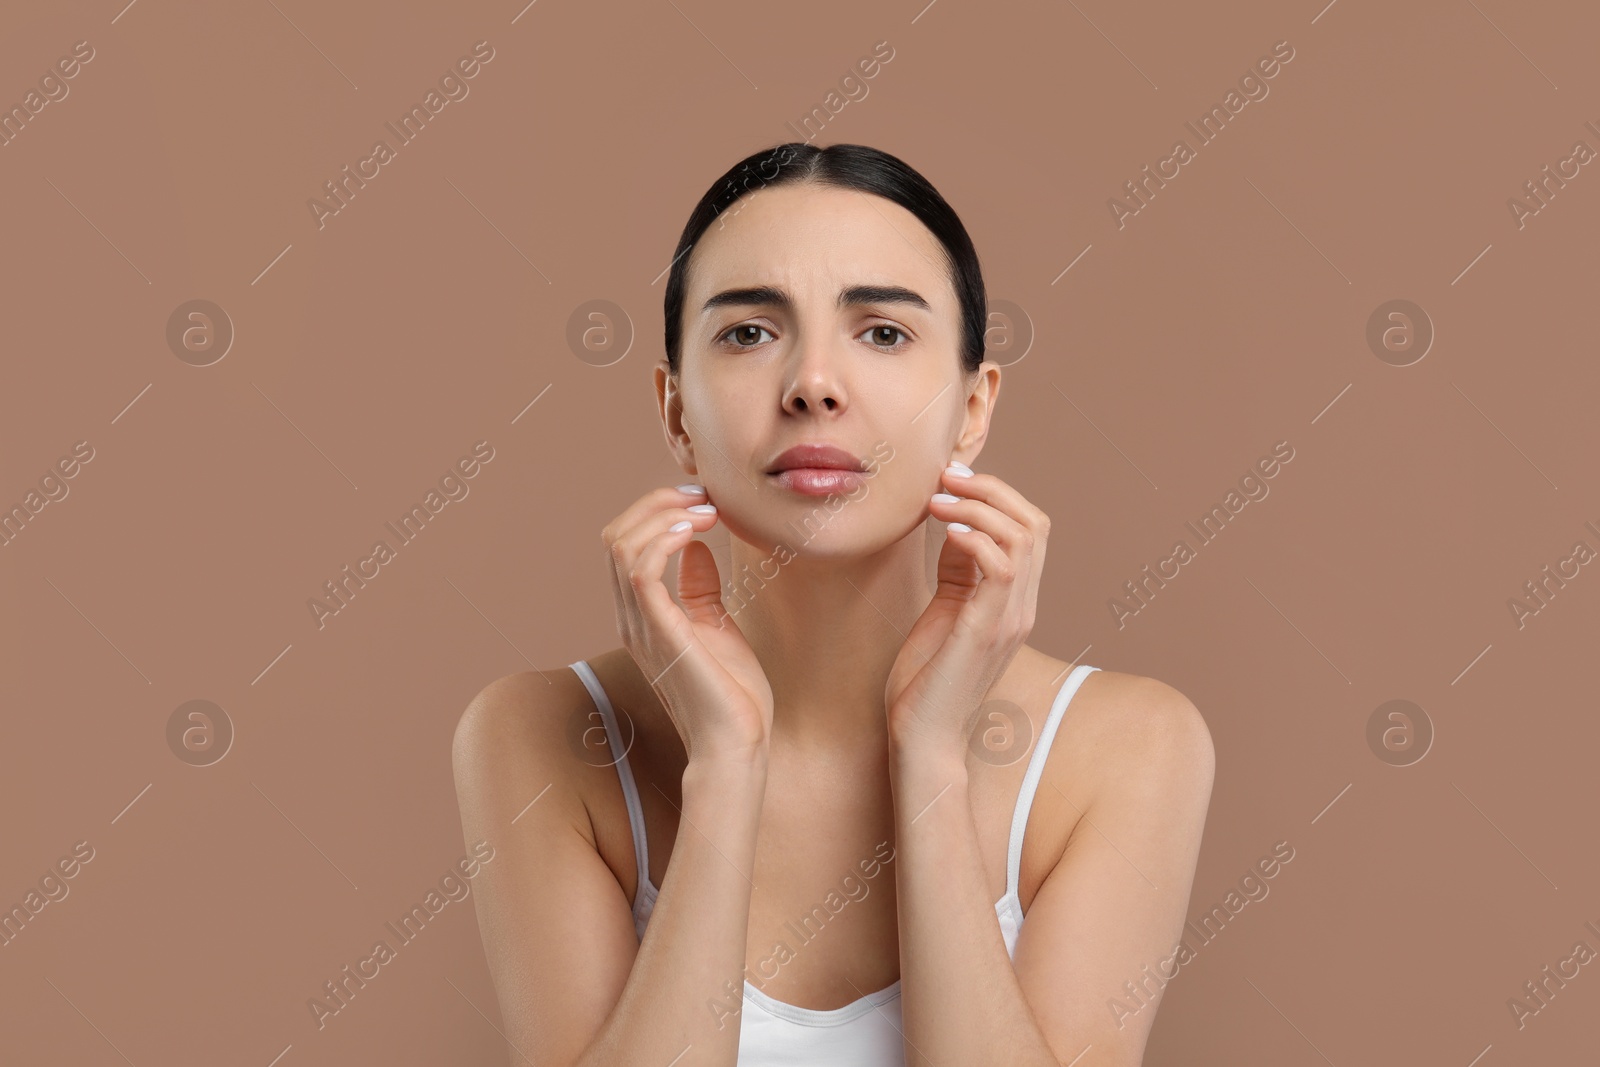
[{"x": 369, "y": 355}]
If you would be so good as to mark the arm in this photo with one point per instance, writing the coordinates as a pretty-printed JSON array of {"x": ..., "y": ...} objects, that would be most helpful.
[
  {"x": 575, "y": 986},
  {"x": 1093, "y": 925}
]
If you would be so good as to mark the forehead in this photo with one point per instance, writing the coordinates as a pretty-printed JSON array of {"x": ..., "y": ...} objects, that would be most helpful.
[{"x": 814, "y": 240}]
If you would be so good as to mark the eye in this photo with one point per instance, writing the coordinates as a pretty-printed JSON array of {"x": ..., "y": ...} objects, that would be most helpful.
[
  {"x": 881, "y": 329},
  {"x": 743, "y": 331}
]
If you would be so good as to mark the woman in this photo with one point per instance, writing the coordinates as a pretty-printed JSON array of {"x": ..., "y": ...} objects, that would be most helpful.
[{"x": 833, "y": 787}]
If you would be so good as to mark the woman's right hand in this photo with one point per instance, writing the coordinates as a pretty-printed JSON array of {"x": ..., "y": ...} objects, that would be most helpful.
[{"x": 694, "y": 656}]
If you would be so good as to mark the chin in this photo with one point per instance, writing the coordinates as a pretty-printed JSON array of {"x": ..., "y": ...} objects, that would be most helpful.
[{"x": 843, "y": 531}]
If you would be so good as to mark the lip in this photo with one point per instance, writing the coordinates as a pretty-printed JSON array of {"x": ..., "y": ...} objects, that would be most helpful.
[
  {"x": 819, "y": 481},
  {"x": 815, "y": 457},
  {"x": 817, "y": 470}
]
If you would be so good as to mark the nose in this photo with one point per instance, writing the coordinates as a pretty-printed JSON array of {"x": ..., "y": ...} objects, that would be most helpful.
[{"x": 814, "y": 379}]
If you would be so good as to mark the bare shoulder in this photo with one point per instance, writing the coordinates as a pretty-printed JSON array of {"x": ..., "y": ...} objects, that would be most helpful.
[
  {"x": 1125, "y": 743},
  {"x": 516, "y": 707},
  {"x": 1144, "y": 718},
  {"x": 510, "y": 744},
  {"x": 1140, "y": 741},
  {"x": 1122, "y": 726},
  {"x": 556, "y": 926}
]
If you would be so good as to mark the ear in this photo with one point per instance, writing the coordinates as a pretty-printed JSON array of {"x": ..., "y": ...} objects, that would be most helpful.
[
  {"x": 669, "y": 404},
  {"x": 984, "y": 384}
]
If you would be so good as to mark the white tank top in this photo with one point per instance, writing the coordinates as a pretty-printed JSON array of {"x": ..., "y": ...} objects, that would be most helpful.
[{"x": 865, "y": 1032}]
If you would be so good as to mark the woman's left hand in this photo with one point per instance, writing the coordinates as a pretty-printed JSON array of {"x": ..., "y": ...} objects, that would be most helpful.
[{"x": 981, "y": 612}]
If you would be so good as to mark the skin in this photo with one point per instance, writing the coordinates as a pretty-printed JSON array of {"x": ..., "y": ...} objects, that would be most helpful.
[{"x": 876, "y": 682}]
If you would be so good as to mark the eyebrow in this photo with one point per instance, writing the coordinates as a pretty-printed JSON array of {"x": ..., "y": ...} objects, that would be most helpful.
[{"x": 854, "y": 296}]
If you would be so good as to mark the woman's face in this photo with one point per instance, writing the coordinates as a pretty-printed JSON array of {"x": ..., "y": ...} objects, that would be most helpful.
[{"x": 816, "y": 315}]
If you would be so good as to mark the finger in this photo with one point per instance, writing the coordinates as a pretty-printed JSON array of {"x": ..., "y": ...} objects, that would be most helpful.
[
  {"x": 700, "y": 585},
  {"x": 634, "y": 544},
  {"x": 626, "y": 602},
  {"x": 1024, "y": 550},
  {"x": 645, "y": 550},
  {"x": 655, "y": 500},
  {"x": 993, "y": 562},
  {"x": 996, "y": 493},
  {"x": 958, "y": 572},
  {"x": 1001, "y": 496},
  {"x": 999, "y": 594},
  {"x": 966, "y": 648},
  {"x": 624, "y": 544},
  {"x": 645, "y": 577},
  {"x": 614, "y": 535},
  {"x": 1007, "y": 532}
]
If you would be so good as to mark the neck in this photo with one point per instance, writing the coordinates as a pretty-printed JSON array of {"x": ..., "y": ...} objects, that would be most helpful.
[{"x": 827, "y": 632}]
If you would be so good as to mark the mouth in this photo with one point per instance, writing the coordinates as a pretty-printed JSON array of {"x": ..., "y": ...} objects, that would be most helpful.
[
  {"x": 817, "y": 470},
  {"x": 816, "y": 457},
  {"x": 817, "y": 481}
]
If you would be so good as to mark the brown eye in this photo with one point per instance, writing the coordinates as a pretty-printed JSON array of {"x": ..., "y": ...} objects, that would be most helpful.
[
  {"x": 746, "y": 335},
  {"x": 884, "y": 336}
]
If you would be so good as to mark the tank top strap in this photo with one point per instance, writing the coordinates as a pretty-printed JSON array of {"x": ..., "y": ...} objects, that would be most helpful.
[
  {"x": 619, "y": 756},
  {"x": 1030, "y": 781}
]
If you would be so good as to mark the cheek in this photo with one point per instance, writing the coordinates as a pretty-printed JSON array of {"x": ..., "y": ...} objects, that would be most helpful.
[
  {"x": 720, "y": 428},
  {"x": 901, "y": 489}
]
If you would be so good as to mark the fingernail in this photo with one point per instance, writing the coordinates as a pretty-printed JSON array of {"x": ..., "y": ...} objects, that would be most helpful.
[
  {"x": 679, "y": 527},
  {"x": 692, "y": 489},
  {"x": 946, "y": 498},
  {"x": 704, "y": 509},
  {"x": 961, "y": 526},
  {"x": 959, "y": 470}
]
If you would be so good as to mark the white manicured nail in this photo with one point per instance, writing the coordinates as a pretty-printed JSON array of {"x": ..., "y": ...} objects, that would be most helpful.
[
  {"x": 679, "y": 527},
  {"x": 960, "y": 470},
  {"x": 704, "y": 509},
  {"x": 692, "y": 489},
  {"x": 946, "y": 498},
  {"x": 961, "y": 526}
]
